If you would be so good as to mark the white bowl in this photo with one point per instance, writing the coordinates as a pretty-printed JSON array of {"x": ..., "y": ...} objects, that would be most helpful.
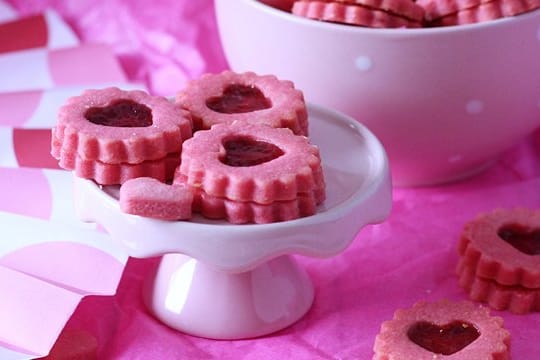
[{"x": 445, "y": 102}]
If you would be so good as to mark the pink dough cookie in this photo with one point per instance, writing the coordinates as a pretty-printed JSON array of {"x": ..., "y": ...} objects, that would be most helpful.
[
  {"x": 488, "y": 11},
  {"x": 279, "y": 4},
  {"x": 248, "y": 97},
  {"x": 351, "y": 14},
  {"x": 517, "y": 299},
  {"x": 504, "y": 246},
  {"x": 250, "y": 163},
  {"x": 152, "y": 198},
  {"x": 113, "y": 174},
  {"x": 115, "y": 127},
  {"x": 238, "y": 212},
  {"x": 443, "y": 330},
  {"x": 435, "y": 9},
  {"x": 403, "y": 8}
]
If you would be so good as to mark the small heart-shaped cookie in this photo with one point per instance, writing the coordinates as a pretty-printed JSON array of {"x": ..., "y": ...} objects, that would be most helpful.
[{"x": 149, "y": 197}]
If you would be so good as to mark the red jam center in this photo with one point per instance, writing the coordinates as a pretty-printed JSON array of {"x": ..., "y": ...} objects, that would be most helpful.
[
  {"x": 120, "y": 113},
  {"x": 238, "y": 99},
  {"x": 446, "y": 340},
  {"x": 525, "y": 240},
  {"x": 245, "y": 151}
]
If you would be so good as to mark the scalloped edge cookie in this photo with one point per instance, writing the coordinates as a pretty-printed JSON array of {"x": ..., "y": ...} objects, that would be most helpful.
[
  {"x": 517, "y": 299},
  {"x": 492, "y": 258},
  {"x": 393, "y": 341},
  {"x": 351, "y": 14},
  {"x": 403, "y": 8},
  {"x": 287, "y": 109},
  {"x": 487, "y": 11},
  {"x": 73, "y": 133},
  {"x": 298, "y": 170}
]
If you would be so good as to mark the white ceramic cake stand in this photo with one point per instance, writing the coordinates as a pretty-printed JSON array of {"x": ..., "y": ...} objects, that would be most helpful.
[{"x": 224, "y": 281}]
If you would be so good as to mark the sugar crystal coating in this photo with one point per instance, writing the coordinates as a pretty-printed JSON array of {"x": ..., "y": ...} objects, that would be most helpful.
[
  {"x": 225, "y": 98},
  {"x": 83, "y": 127},
  {"x": 394, "y": 339},
  {"x": 297, "y": 170}
]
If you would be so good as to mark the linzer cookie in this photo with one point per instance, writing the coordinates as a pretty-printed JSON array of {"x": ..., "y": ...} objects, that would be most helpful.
[
  {"x": 115, "y": 126},
  {"x": 407, "y": 9},
  {"x": 443, "y": 330},
  {"x": 504, "y": 246},
  {"x": 247, "y": 97},
  {"x": 355, "y": 13},
  {"x": 112, "y": 174},
  {"x": 500, "y": 259},
  {"x": 436, "y": 9},
  {"x": 484, "y": 11},
  {"x": 238, "y": 212},
  {"x": 111, "y": 135},
  {"x": 249, "y": 162},
  {"x": 515, "y": 298}
]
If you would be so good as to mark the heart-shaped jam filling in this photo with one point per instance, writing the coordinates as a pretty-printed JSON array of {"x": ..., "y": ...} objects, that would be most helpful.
[
  {"x": 239, "y": 98},
  {"x": 120, "y": 113},
  {"x": 446, "y": 339},
  {"x": 525, "y": 240},
  {"x": 246, "y": 151}
]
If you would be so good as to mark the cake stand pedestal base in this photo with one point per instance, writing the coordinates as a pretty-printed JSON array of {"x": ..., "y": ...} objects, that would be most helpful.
[{"x": 200, "y": 300}]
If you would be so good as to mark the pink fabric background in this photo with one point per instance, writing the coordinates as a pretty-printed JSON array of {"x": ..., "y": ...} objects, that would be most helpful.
[{"x": 410, "y": 257}]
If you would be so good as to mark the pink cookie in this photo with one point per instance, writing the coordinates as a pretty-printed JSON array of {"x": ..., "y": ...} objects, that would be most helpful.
[
  {"x": 492, "y": 10},
  {"x": 515, "y": 298},
  {"x": 351, "y": 14},
  {"x": 504, "y": 246},
  {"x": 250, "y": 163},
  {"x": 113, "y": 174},
  {"x": 403, "y": 8},
  {"x": 443, "y": 330},
  {"x": 435, "y": 9},
  {"x": 151, "y": 198},
  {"x": 116, "y": 127},
  {"x": 248, "y": 98}
]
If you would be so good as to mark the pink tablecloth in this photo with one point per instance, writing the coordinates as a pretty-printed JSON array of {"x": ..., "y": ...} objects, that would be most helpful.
[{"x": 408, "y": 258}]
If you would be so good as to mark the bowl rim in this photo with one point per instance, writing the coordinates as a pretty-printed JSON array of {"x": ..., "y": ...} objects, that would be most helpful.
[{"x": 398, "y": 32}]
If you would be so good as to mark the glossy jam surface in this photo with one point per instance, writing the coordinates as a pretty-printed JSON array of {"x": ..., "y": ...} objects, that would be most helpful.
[
  {"x": 245, "y": 151},
  {"x": 525, "y": 240},
  {"x": 238, "y": 99},
  {"x": 446, "y": 339},
  {"x": 120, "y": 113}
]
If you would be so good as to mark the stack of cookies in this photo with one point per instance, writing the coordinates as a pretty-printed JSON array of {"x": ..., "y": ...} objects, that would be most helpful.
[
  {"x": 111, "y": 136},
  {"x": 251, "y": 173},
  {"x": 500, "y": 259}
]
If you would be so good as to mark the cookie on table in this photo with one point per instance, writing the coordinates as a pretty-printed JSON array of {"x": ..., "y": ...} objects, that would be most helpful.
[
  {"x": 246, "y": 97},
  {"x": 111, "y": 135},
  {"x": 515, "y": 298},
  {"x": 500, "y": 259},
  {"x": 442, "y": 330},
  {"x": 366, "y": 13},
  {"x": 250, "y": 163}
]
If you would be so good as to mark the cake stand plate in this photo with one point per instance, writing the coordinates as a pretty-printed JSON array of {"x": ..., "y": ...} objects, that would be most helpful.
[{"x": 225, "y": 281}]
